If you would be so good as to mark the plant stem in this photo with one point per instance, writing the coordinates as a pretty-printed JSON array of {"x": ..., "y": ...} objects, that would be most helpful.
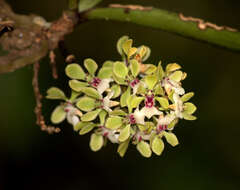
[{"x": 171, "y": 22}]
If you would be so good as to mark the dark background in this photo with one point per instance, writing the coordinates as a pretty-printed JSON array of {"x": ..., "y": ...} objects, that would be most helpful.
[{"x": 208, "y": 156}]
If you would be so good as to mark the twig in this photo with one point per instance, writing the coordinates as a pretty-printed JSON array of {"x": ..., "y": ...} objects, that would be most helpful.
[
  {"x": 38, "y": 109},
  {"x": 131, "y": 7},
  {"x": 170, "y": 22},
  {"x": 52, "y": 57},
  {"x": 202, "y": 25}
]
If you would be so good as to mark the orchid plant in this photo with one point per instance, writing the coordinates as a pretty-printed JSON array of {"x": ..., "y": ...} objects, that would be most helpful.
[{"x": 126, "y": 102}]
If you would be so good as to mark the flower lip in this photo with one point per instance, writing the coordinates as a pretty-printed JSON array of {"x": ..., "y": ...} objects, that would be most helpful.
[
  {"x": 161, "y": 128},
  {"x": 149, "y": 101},
  {"x": 134, "y": 82},
  {"x": 95, "y": 82},
  {"x": 132, "y": 119}
]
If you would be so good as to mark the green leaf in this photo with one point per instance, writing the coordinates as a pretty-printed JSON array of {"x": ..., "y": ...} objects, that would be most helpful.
[
  {"x": 119, "y": 80},
  {"x": 157, "y": 145},
  {"x": 91, "y": 66},
  {"x": 150, "y": 69},
  {"x": 96, "y": 142},
  {"x": 172, "y": 124},
  {"x": 160, "y": 73},
  {"x": 90, "y": 115},
  {"x": 122, "y": 148},
  {"x": 108, "y": 64},
  {"x": 172, "y": 67},
  {"x": 75, "y": 71},
  {"x": 134, "y": 67},
  {"x": 189, "y": 108},
  {"x": 102, "y": 117},
  {"x": 142, "y": 127},
  {"x": 158, "y": 90},
  {"x": 118, "y": 112},
  {"x": 87, "y": 128},
  {"x": 91, "y": 92},
  {"x": 188, "y": 117},
  {"x": 120, "y": 44},
  {"x": 176, "y": 76},
  {"x": 141, "y": 89},
  {"x": 133, "y": 102},
  {"x": 170, "y": 96},
  {"x": 85, "y": 5},
  {"x": 74, "y": 95},
  {"x": 187, "y": 96},
  {"x": 114, "y": 122},
  {"x": 86, "y": 104},
  {"x": 120, "y": 69},
  {"x": 124, "y": 133},
  {"x": 132, "y": 51},
  {"x": 147, "y": 54},
  {"x": 80, "y": 125},
  {"x": 58, "y": 115},
  {"x": 77, "y": 85},
  {"x": 171, "y": 138},
  {"x": 117, "y": 90},
  {"x": 144, "y": 149},
  {"x": 124, "y": 97},
  {"x": 127, "y": 45},
  {"x": 151, "y": 81},
  {"x": 55, "y": 93},
  {"x": 163, "y": 102},
  {"x": 105, "y": 73}
]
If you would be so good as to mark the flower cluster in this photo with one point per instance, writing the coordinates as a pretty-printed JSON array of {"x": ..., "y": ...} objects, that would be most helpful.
[{"x": 125, "y": 101}]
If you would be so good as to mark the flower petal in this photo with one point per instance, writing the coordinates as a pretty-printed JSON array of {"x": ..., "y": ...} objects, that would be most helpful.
[
  {"x": 149, "y": 112},
  {"x": 139, "y": 116},
  {"x": 103, "y": 85}
]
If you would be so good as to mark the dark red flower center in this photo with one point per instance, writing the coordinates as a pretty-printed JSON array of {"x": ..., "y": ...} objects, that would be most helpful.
[
  {"x": 149, "y": 101},
  {"x": 95, "y": 82},
  {"x": 134, "y": 82},
  {"x": 161, "y": 128},
  {"x": 132, "y": 120}
]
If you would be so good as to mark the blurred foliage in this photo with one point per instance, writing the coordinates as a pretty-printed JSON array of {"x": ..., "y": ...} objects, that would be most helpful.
[{"x": 207, "y": 157}]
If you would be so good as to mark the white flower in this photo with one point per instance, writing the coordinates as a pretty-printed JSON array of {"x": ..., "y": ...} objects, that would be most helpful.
[
  {"x": 139, "y": 116},
  {"x": 103, "y": 85},
  {"x": 178, "y": 105},
  {"x": 73, "y": 114},
  {"x": 142, "y": 136},
  {"x": 149, "y": 109},
  {"x": 112, "y": 135},
  {"x": 135, "y": 84},
  {"x": 107, "y": 103},
  {"x": 149, "y": 112},
  {"x": 166, "y": 120},
  {"x": 169, "y": 85},
  {"x": 72, "y": 119}
]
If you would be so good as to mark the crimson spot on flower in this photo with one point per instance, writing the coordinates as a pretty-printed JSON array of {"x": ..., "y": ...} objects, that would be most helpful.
[{"x": 95, "y": 82}]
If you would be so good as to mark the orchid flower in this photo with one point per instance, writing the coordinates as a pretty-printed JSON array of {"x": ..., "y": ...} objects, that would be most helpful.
[
  {"x": 164, "y": 121},
  {"x": 112, "y": 135},
  {"x": 73, "y": 114},
  {"x": 139, "y": 116},
  {"x": 101, "y": 84},
  {"x": 170, "y": 85},
  {"x": 107, "y": 103},
  {"x": 149, "y": 109},
  {"x": 178, "y": 104}
]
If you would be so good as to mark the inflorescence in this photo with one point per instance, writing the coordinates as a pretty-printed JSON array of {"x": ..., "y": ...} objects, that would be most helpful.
[{"x": 125, "y": 101}]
